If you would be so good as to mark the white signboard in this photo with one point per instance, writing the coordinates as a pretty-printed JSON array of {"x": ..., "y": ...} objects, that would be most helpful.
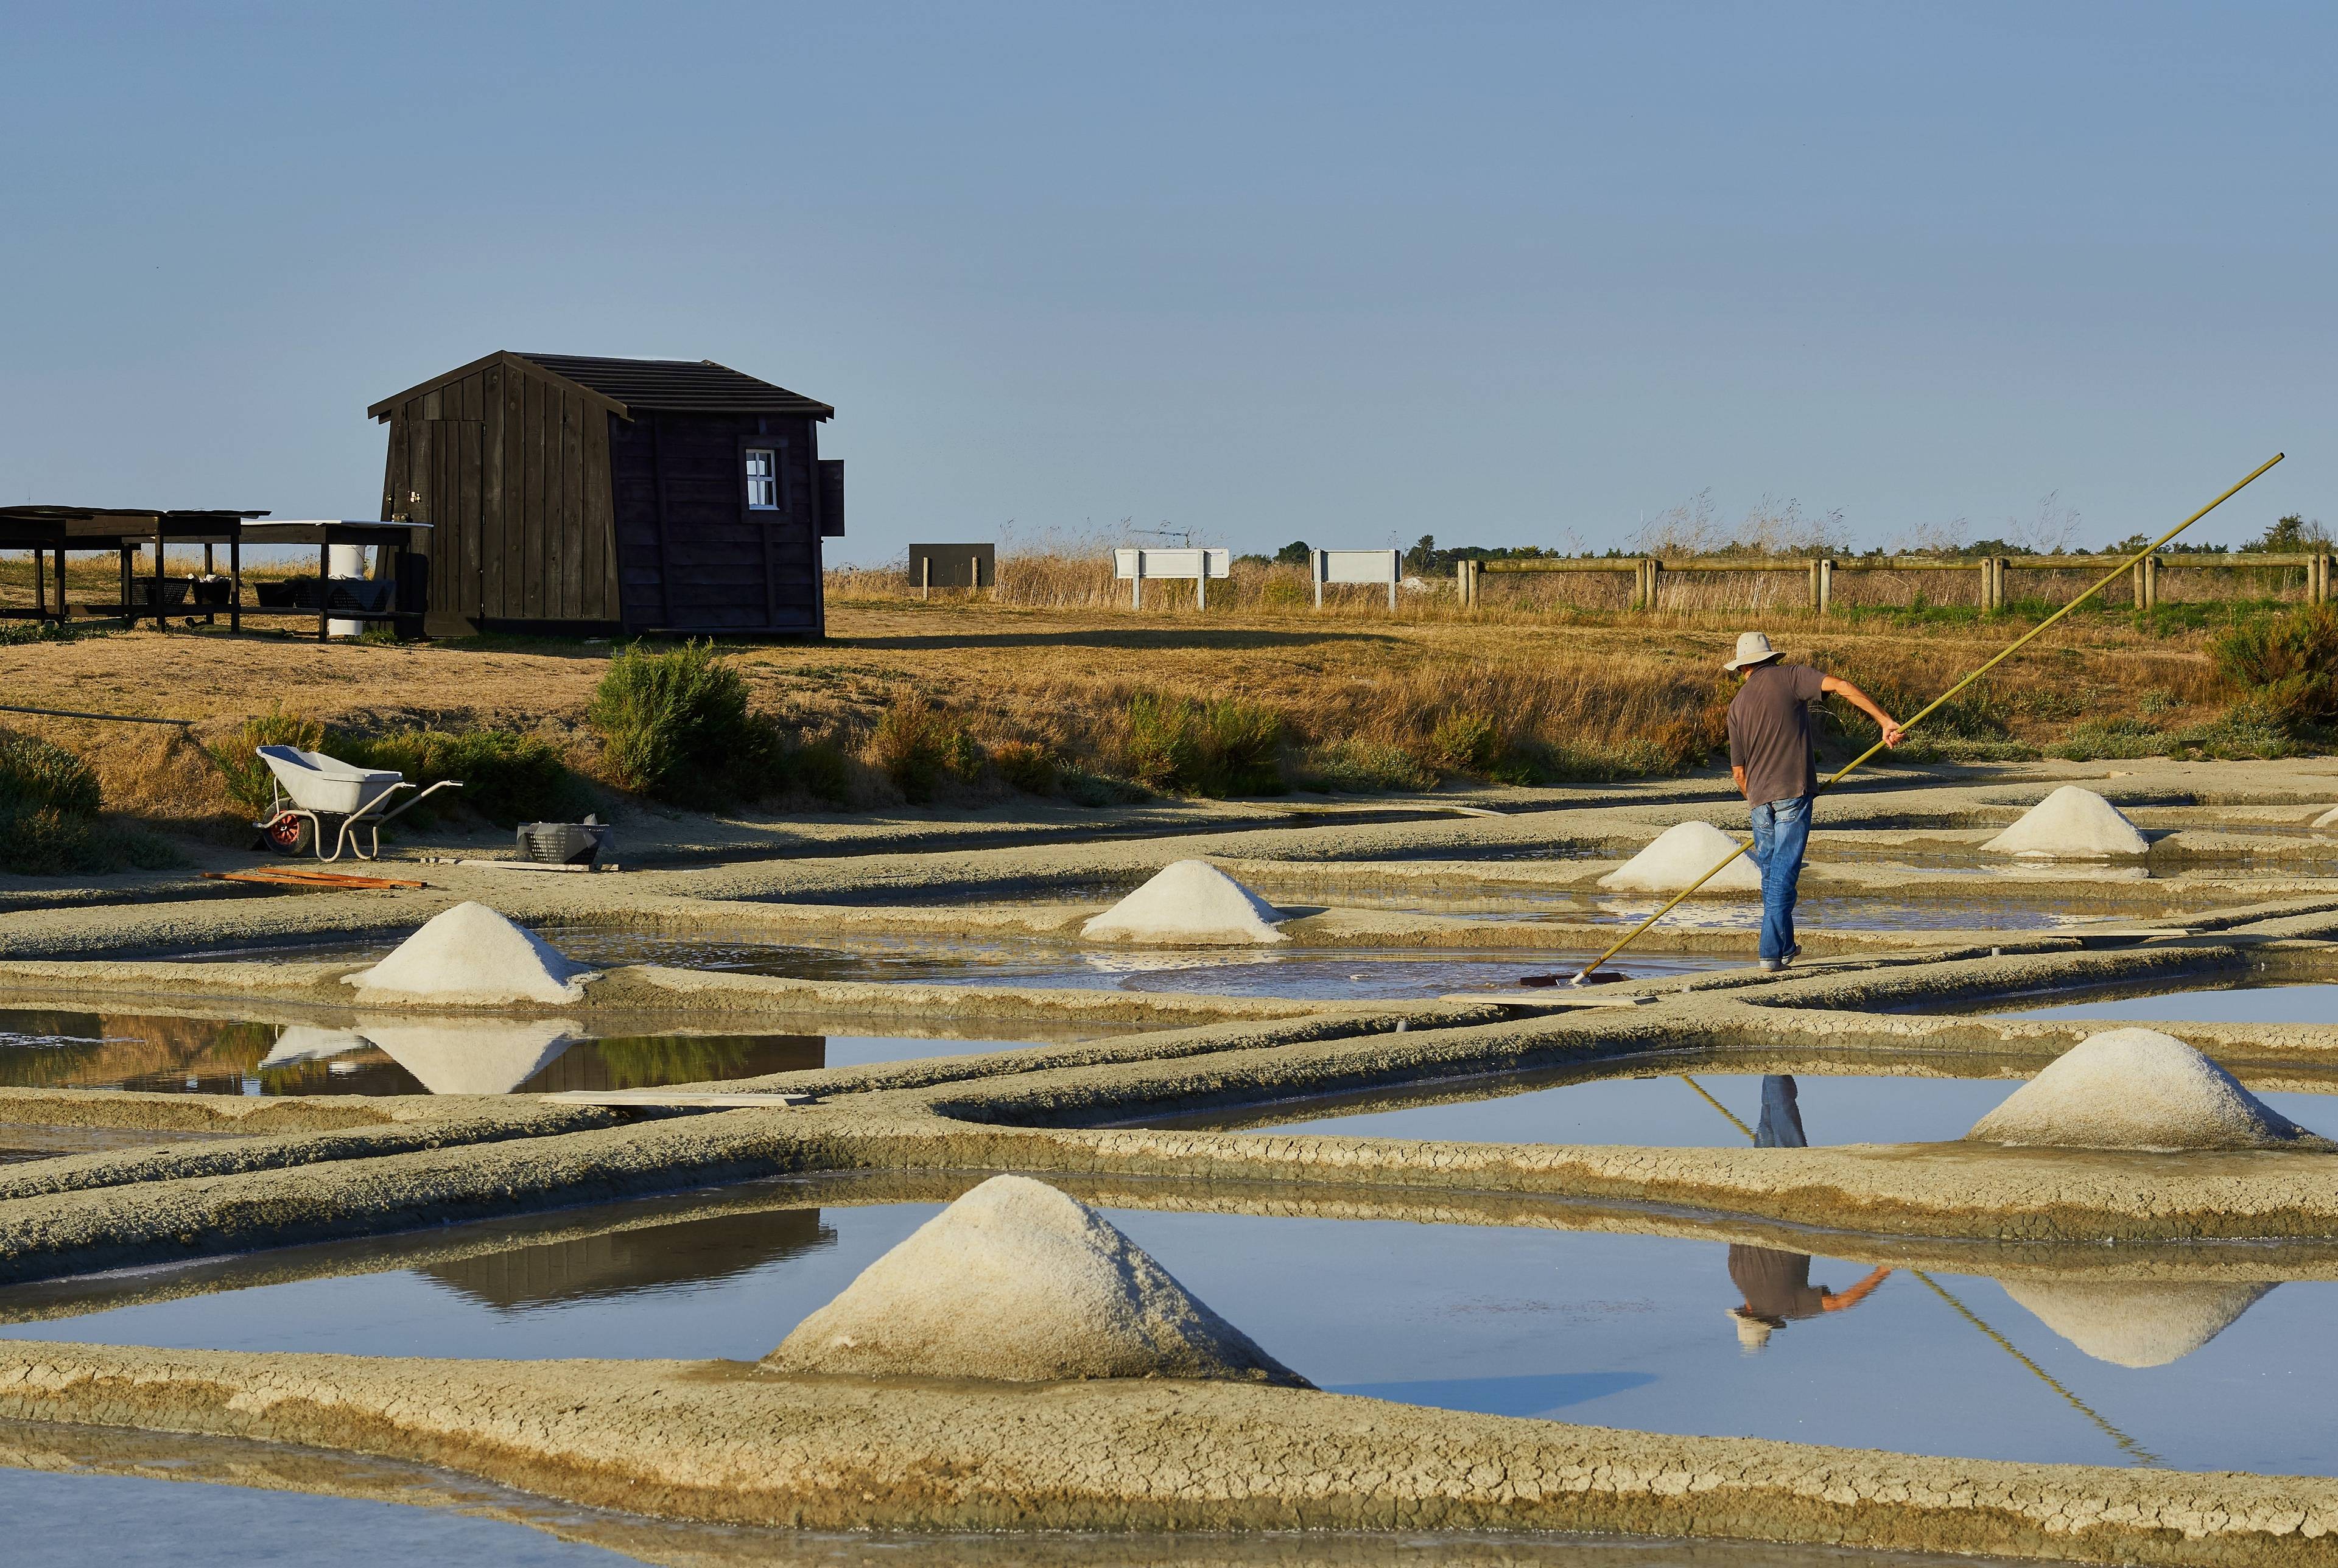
[
  {"x": 1382, "y": 566},
  {"x": 1133, "y": 566}
]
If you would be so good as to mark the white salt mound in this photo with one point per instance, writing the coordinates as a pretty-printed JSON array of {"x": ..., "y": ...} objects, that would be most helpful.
[
  {"x": 2135, "y": 1325},
  {"x": 2072, "y": 823},
  {"x": 461, "y": 1058},
  {"x": 2328, "y": 818},
  {"x": 1189, "y": 901},
  {"x": 1680, "y": 855},
  {"x": 470, "y": 954},
  {"x": 1018, "y": 1282},
  {"x": 2138, "y": 1089}
]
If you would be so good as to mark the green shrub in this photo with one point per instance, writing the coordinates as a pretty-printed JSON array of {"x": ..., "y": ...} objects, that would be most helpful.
[
  {"x": 819, "y": 768},
  {"x": 49, "y": 802},
  {"x": 1354, "y": 767},
  {"x": 1032, "y": 769},
  {"x": 247, "y": 777},
  {"x": 507, "y": 778},
  {"x": 916, "y": 745},
  {"x": 2289, "y": 663},
  {"x": 1464, "y": 743},
  {"x": 675, "y": 727},
  {"x": 20, "y": 632},
  {"x": 1217, "y": 749}
]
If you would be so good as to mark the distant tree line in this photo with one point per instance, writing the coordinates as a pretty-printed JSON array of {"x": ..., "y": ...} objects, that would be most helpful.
[{"x": 2289, "y": 535}]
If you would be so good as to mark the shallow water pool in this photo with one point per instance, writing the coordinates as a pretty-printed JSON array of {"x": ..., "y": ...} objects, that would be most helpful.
[
  {"x": 2269, "y": 1004},
  {"x": 388, "y": 1054},
  {"x": 1692, "y": 1110},
  {"x": 1314, "y": 973},
  {"x": 1630, "y": 1330}
]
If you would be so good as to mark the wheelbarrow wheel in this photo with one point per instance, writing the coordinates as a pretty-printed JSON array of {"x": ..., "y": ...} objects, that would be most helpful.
[{"x": 285, "y": 833}]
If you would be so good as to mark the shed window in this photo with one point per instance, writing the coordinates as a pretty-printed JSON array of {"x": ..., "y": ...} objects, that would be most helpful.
[{"x": 763, "y": 480}]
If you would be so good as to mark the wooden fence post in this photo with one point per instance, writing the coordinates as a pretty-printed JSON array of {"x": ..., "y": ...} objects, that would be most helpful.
[
  {"x": 1826, "y": 586},
  {"x": 1654, "y": 571}
]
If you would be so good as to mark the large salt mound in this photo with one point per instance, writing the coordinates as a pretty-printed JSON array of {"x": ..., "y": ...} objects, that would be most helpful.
[
  {"x": 1680, "y": 855},
  {"x": 2072, "y": 823},
  {"x": 462, "y": 1057},
  {"x": 2138, "y": 1089},
  {"x": 2135, "y": 1325},
  {"x": 1018, "y": 1282},
  {"x": 470, "y": 954},
  {"x": 1189, "y": 901}
]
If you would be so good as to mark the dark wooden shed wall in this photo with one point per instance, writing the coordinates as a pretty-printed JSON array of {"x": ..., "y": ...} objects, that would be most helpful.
[
  {"x": 690, "y": 555},
  {"x": 511, "y": 471}
]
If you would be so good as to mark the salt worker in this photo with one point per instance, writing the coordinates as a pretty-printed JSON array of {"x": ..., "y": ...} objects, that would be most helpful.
[{"x": 1771, "y": 763}]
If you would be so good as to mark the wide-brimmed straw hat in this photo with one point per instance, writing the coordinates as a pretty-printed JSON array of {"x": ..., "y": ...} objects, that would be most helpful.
[{"x": 1753, "y": 648}]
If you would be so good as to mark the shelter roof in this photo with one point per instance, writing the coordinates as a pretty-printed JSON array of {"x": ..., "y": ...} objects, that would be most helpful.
[{"x": 626, "y": 386}]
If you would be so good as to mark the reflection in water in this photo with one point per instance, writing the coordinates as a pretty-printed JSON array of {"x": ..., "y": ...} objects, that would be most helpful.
[
  {"x": 2133, "y": 1325},
  {"x": 1777, "y": 1285},
  {"x": 617, "y": 1262}
]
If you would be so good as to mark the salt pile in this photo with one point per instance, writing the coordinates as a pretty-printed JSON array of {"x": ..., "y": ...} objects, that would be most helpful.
[
  {"x": 2138, "y": 1089},
  {"x": 461, "y": 1058},
  {"x": 1189, "y": 901},
  {"x": 2071, "y": 823},
  {"x": 2135, "y": 1325},
  {"x": 1018, "y": 1282},
  {"x": 1680, "y": 855},
  {"x": 470, "y": 954}
]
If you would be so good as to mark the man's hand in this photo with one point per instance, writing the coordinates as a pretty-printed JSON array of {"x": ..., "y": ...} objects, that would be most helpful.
[
  {"x": 1835, "y": 685},
  {"x": 1737, "y": 777}
]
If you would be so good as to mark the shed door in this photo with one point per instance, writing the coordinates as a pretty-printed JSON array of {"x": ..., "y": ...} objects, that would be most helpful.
[{"x": 446, "y": 468}]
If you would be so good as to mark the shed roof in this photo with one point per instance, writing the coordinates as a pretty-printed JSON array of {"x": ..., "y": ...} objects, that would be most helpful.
[{"x": 625, "y": 386}]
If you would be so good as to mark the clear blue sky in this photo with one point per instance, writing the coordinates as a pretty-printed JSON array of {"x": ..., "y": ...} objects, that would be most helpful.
[{"x": 1348, "y": 272}]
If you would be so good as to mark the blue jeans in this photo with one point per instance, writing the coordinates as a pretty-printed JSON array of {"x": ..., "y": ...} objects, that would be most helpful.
[{"x": 1780, "y": 831}]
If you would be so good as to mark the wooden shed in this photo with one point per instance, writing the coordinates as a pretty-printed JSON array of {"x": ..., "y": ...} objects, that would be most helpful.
[{"x": 593, "y": 497}]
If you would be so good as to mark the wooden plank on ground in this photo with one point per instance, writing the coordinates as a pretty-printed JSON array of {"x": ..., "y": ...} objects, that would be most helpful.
[{"x": 292, "y": 876}]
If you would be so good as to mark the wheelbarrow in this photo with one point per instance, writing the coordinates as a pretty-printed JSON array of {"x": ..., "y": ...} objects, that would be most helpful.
[{"x": 313, "y": 795}]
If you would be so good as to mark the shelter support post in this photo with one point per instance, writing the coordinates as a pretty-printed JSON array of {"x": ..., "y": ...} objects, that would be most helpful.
[
  {"x": 63, "y": 613},
  {"x": 1316, "y": 569},
  {"x": 1202, "y": 588},
  {"x": 235, "y": 571},
  {"x": 40, "y": 584},
  {"x": 975, "y": 573},
  {"x": 1826, "y": 580},
  {"x": 1137, "y": 584},
  {"x": 324, "y": 584},
  {"x": 128, "y": 610},
  {"x": 162, "y": 619},
  {"x": 1396, "y": 572},
  {"x": 925, "y": 576}
]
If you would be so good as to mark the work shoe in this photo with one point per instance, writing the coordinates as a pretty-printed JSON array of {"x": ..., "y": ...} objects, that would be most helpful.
[
  {"x": 1790, "y": 955},
  {"x": 1772, "y": 965}
]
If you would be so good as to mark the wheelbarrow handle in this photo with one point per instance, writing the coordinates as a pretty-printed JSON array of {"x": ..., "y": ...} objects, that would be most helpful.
[{"x": 418, "y": 799}]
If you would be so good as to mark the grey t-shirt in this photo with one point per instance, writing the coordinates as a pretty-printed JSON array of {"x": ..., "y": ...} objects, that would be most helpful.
[{"x": 1770, "y": 732}]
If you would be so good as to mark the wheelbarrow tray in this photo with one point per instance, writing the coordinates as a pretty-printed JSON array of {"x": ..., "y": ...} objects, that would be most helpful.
[{"x": 317, "y": 782}]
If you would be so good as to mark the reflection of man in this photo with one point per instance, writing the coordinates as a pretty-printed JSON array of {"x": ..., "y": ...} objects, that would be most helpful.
[
  {"x": 1778, "y": 1291},
  {"x": 1777, "y": 1285}
]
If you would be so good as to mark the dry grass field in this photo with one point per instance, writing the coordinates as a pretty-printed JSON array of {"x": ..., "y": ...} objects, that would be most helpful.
[{"x": 1362, "y": 700}]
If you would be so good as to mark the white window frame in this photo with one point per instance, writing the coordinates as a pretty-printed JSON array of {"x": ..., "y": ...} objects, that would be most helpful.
[{"x": 765, "y": 484}]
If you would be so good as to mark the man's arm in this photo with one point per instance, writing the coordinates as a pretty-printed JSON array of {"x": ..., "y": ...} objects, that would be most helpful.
[{"x": 1835, "y": 685}]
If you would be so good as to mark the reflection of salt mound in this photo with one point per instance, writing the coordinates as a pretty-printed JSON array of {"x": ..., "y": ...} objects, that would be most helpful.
[
  {"x": 2135, "y": 1325},
  {"x": 306, "y": 1043},
  {"x": 1188, "y": 901},
  {"x": 1018, "y": 1282},
  {"x": 471, "y": 954},
  {"x": 2138, "y": 1089},
  {"x": 2073, "y": 822},
  {"x": 1680, "y": 855},
  {"x": 461, "y": 1057},
  {"x": 2328, "y": 818}
]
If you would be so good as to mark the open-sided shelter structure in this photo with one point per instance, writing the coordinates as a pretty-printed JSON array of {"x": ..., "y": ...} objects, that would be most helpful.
[
  {"x": 53, "y": 532},
  {"x": 573, "y": 494}
]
